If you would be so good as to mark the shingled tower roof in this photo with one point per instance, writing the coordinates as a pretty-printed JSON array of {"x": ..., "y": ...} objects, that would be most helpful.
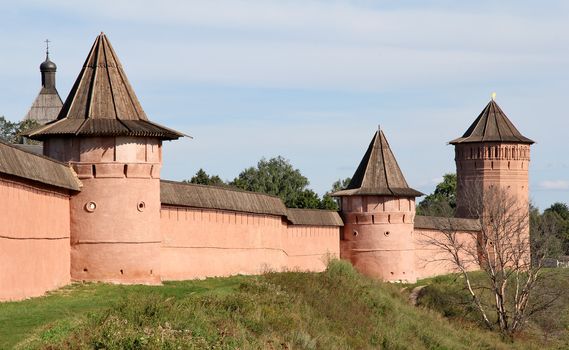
[
  {"x": 47, "y": 104},
  {"x": 102, "y": 102},
  {"x": 378, "y": 173},
  {"x": 492, "y": 125}
]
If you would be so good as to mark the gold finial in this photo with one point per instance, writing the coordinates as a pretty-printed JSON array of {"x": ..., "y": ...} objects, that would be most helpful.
[{"x": 494, "y": 96}]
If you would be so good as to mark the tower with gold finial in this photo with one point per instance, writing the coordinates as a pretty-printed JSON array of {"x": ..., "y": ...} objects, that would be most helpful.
[
  {"x": 491, "y": 155},
  {"x": 378, "y": 208},
  {"x": 104, "y": 133},
  {"x": 491, "y": 152}
]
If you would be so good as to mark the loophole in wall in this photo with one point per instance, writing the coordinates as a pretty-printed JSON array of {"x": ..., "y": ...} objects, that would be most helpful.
[
  {"x": 90, "y": 206},
  {"x": 141, "y": 206}
]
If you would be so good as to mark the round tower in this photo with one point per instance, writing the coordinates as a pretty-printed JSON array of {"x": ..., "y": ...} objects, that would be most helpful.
[
  {"x": 378, "y": 208},
  {"x": 492, "y": 162},
  {"x": 116, "y": 151},
  {"x": 492, "y": 152}
]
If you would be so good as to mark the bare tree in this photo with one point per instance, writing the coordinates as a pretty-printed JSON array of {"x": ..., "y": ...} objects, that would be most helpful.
[{"x": 505, "y": 297}]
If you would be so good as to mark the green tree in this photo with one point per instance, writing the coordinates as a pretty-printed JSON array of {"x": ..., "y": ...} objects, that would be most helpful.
[
  {"x": 202, "y": 178},
  {"x": 277, "y": 177},
  {"x": 442, "y": 202},
  {"x": 559, "y": 214},
  {"x": 11, "y": 131},
  {"x": 7, "y": 129},
  {"x": 544, "y": 234},
  {"x": 330, "y": 203},
  {"x": 560, "y": 209},
  {"x": 307, "y": 199}
]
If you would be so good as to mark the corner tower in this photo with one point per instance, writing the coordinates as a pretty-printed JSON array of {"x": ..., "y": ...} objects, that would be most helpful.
[
  {"x": 47, "y": 104},
  {"x": 378, "y": 209},
  {"x": 105, "y": 135},
  {"x": 492, "y": 152}
]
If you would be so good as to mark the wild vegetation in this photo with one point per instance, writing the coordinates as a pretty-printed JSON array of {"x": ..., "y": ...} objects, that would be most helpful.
[
  {"x": 501, "y": 248},
  {"x": 336, "y": 309},
  {"x": 511, "y": 286},
  {"x": 550, "y": 327}
]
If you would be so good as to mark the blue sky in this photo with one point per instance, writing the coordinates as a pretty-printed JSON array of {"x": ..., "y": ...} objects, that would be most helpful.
[{"x": 311, "y": 80}]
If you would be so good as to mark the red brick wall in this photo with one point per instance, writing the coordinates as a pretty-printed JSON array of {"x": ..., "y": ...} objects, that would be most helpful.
[
  {"x": 431, "y": 260},
  {"x": 199, "y": 243},
  {"x": 34, "y": 240}
]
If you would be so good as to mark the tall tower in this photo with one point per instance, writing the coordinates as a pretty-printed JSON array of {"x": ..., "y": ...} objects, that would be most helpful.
[
  {"x": 116, "y": 151},
  {"x": 378, "y": 209},
  {"x": 47, "y": 104},
  {"x": 492, "y": 152}
]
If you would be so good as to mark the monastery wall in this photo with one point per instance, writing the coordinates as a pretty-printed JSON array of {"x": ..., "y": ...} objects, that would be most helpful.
[
  {"x": 431, "y": 260},
  {"x": 309, "y": 247},
  {"x": 34, "y": 239},
  {"x": 198, "y": 243}
]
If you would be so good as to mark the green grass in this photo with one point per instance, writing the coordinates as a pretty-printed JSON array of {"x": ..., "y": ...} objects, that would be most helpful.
[
  {"x": 337, "y": 309},
  {"x": 550, "y": 328},
  {"x": 71, "y": 304}
]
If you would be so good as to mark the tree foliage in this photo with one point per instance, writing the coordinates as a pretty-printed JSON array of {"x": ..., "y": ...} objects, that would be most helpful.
[
  {"x": 11, "y": 131},
  {"x": 202, "y": 178},
  {"x": 330, "y": 203},
  {"x": 556, "y": 216},
  {"x": 544, "y": 234},
  {"x": 560, "y": 209},
  {"x": 442, "y": 202},
  {"x": 277, "y": 177}
]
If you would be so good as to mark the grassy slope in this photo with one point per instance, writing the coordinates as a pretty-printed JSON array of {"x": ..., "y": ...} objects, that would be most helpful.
[
  {"x": 447, "y": 295},
  {"x": 19, "y": 319},
  {"x": 338, "y": 309}
]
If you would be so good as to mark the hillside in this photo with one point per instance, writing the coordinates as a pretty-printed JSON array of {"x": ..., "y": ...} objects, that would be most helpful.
[
  {"x": 447, "y": 295},
  {"x": 337, "y": 309}
]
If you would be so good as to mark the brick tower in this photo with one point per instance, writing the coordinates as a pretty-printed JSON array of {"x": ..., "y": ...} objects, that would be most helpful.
[
  {"x": 116, "y": 151},
  {"x": 378, "y": 208},
  {"x": 492, "y": 152}
]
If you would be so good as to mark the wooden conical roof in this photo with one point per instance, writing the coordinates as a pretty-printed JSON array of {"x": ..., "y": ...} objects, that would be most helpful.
[
  {"x": 102, "y": 102},
  {"x": 378, "y": 173},
  {"x": 492, "y": 125},
  {"x": 46, "y": 106}
]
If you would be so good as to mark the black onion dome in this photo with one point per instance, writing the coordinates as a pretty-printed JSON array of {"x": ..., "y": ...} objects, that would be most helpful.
[{"x": 48, "y": 66}]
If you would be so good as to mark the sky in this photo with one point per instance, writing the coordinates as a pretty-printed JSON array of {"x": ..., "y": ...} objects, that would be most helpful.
[{"x": 311, "y": 80}]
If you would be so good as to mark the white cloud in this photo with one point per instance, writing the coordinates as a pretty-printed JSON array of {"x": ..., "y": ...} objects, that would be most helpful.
[
  {"x": 500, "y": 28},
  {"x": 418, "y": 68},
  {"x": 552, "y": 185},
  {"x": 338, "y": 45}
]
